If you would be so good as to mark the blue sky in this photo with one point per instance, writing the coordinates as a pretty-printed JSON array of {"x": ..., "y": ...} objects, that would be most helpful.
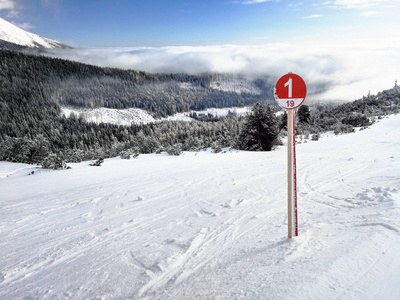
[{"x": 157, "y": 23}]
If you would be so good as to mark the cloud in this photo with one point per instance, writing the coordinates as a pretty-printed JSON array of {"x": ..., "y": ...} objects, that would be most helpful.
[
  {"x": 370, "y": 13},
  {"x": 7, "y": 5},
  {"x": 341, "y": 67},
  {"x": 24, "y": 25},
  {"x": 248, "y": 2},
  {"x": 313, "y": 17},
  {"x": 295, "y": 4},
  {"x": 358, "y": 4},
  {"x": 259, "y": 38},
  {"x": 50, "y": 3},
  {"x": 11, "y": 8},
  {"x": 53, "y": 6}
]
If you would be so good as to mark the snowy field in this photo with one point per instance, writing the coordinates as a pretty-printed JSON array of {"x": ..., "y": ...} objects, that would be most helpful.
[{"x": 208, "y": 226}]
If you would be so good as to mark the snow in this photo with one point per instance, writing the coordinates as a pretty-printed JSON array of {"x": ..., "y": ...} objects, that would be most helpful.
[
  {"x": 236, "y": 85},
  {"x": 112, "y": 116},
  {"x": 215, "y": 112},
  {"x": 16, "y": 35},
  {"x": 223, "y": 112},
  {"x": 139, "y": 116},
  {"x": 208, "y": 226}
]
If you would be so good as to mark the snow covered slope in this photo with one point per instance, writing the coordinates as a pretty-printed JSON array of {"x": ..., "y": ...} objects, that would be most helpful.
[
  {"x": 208, "y": 226},
  {"x": 112, "y": 116},
  {"x": 16, "y": 35},
  {"x": 139, "y": 116}
]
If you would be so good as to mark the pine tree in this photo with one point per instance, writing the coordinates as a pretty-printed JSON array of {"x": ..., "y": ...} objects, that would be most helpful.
[
  {"x": 282, "y": 121},
  {"x": 260, "y": 129},
  {"x": 303, "y": 114}
]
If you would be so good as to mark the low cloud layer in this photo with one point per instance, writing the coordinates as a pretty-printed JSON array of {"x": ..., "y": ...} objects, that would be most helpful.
[{"x": 350, "y": 71}]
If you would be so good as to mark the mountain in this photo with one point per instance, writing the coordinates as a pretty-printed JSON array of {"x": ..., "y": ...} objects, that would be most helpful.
[
  {"x": 15, "y": 35},
  {"x": 36, "y": 91},
  {"x": 72, "y": 84}
]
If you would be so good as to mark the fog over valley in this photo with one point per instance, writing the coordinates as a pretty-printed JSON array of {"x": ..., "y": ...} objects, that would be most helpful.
[{"x": 333, "y": 71}]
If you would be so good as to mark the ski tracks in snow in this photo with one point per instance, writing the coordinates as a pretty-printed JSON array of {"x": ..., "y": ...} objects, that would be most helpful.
[
  {"x": 207, "y": 226},
  {"x": 229, "y": 219},
  {"x": 351, "y": 198}
]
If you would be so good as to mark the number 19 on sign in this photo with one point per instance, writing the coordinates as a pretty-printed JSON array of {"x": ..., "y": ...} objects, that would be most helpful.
[{"x": 290, "y": 92}]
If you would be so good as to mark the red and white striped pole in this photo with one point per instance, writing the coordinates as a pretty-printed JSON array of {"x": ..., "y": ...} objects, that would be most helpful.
[{"x": 296, "y": 227}]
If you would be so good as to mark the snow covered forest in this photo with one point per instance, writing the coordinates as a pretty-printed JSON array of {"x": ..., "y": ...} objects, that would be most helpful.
[{"x": 35, "y": 88}]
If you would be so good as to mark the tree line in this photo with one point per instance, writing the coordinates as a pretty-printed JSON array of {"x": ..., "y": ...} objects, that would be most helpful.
[
  {"x": 33, "y": 130},
  {"x": 76, "y": 84}
]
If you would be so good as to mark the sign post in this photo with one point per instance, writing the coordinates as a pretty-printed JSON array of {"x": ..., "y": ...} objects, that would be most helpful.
[{"x": 290, "y": 92}]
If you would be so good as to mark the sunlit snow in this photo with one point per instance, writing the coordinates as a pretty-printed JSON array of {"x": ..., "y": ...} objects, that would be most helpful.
[
  {"x": 16, "y": 35},
  {"x": 109, "y": 115},
  {"x": 208, "y": 226}
]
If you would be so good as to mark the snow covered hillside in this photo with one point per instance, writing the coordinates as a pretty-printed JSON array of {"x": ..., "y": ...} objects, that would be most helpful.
[
  {"x": 112, "y": 116},
  {"x": 13, "y": 34},
  {"x": 139, "y": 116},
  {"x": 237, "y": 85},
  {"x": 208, "y": 226}
]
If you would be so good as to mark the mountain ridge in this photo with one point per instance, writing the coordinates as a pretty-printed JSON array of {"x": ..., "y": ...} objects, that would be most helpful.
[{"x": 17, "y": 36}]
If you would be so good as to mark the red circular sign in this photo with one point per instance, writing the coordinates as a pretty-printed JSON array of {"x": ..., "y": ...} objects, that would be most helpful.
[{"x": 290, "y": 91}]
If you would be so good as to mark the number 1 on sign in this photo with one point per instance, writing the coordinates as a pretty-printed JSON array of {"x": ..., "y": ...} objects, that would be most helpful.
[{"x": 289, "y": 83}]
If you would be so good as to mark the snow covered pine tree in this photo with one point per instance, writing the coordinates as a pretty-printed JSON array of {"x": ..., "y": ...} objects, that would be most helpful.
[{"x": 260, "y": 129}]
